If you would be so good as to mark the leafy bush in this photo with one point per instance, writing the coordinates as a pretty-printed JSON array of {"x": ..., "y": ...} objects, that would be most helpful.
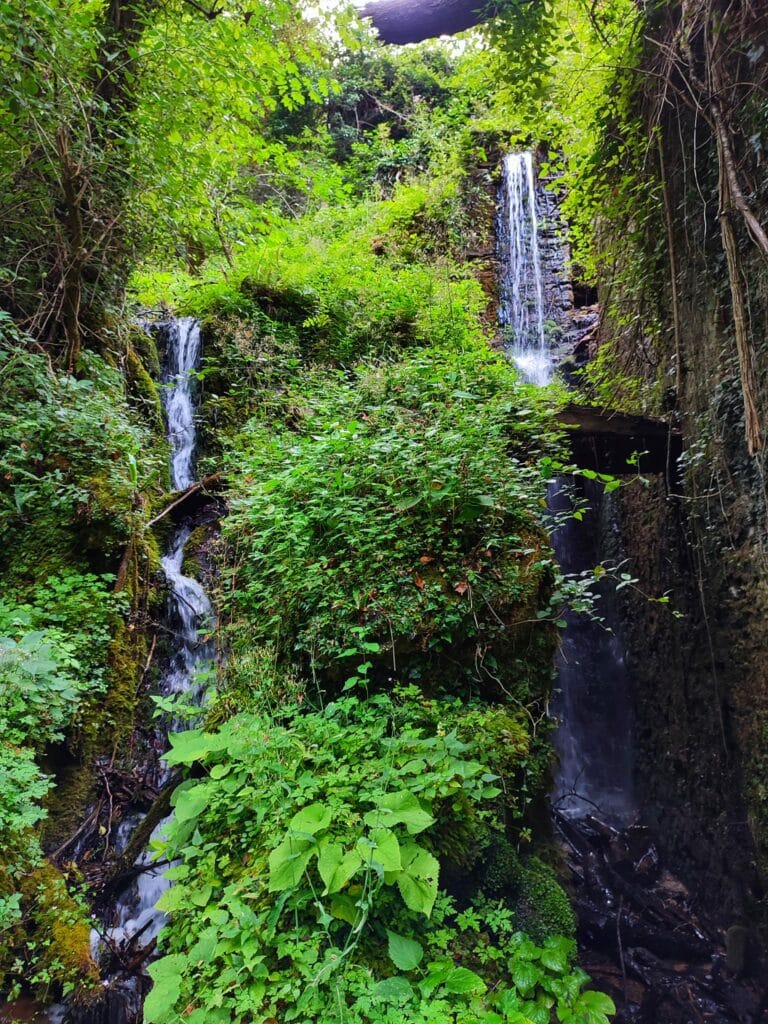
[
  {"x": 22, "y": 787},
  {"x": 68, "y": 466},
  {"x": 37, "y": 692},
  {"x": 397, "y": 523},
  {"x": 74, "y": 613},
  {"x": 349, "y": 282},
  {"x": 307, "y": 886},
  {"x": 53, "y": 650}
]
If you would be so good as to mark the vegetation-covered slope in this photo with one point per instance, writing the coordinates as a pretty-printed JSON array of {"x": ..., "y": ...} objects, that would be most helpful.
[{"x": 359, "y": 828}]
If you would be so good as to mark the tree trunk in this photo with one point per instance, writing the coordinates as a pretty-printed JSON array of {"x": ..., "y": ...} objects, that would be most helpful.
[{"x": 402, "y": 21}]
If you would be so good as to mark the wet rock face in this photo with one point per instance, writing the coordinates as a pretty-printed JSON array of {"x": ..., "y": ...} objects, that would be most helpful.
[
  {"x": 645, "y": 941},
  {"x": 571, "y": 312},
  {"x": 687, "y": 774},
  {"x": 702, "y": 715},
  {"x": 555, "y": 254}
]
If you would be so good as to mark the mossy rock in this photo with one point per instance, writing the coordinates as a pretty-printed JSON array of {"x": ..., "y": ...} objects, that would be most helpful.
[
  {"x": 106, "y": 721},
  {"x": 284, "y": 305},
  {"x": 192, "y": 565},
  {"x": 54, "y": 945},
  {"x": 144, "y": 343},
  {"x": 143, "y": 390},
  {"x": 530, "y": 887}
]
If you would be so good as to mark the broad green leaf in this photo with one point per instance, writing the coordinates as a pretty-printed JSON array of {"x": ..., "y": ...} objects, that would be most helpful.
[
  {"x": 170, "y": 966},
  {"x": 525, "y": 976},
  {"x": 400, "y": 809},
  {"x": 312, "y": 819},
  {"x": 510, "y": 1001},
  {"x": 344, "y": 908},
  {"x": 418, "y": 880},
  {"x": 194, "y": 745},
  {"x": 596, "y": 1007},
  {"x": 336, "y": 866},
  {"x": 462, "y": 981},
  {"x": 404, "y": 953},
  {"x": 202, "y": 951},
  {"x": 288, "y": 863},
  {"x": 172, "y": 899},
  {"x": 437, "y": 973},
  {"x": 536, "y": 1013},
  {"x": 159, "y": 1004},
  {"x": 166, "y": 975},
  {"x": 191, "y": 802},
  {"x": 381, "y": 848},
  {"x": 554, "y": 959},
  {"x": 393, "y": 990},
  {"x": 208, "y": 1015},
  {"x": 526, "y": 949}
]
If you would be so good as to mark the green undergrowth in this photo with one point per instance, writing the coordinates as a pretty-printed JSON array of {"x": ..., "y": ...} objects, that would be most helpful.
[
  {"x": 77, "y": 460},
  {"x": 359, "y": 838},
  {"x": 393, "y": 519},
  {"x": 308, "y": 883},
  {"x": 352, "y": 280},
  {"x": 360, "y": 832}
]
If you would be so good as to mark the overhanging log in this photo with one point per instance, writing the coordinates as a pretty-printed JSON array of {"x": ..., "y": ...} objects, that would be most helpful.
[
  {"x": 402, "y": 21},
  {"x": 620, "y": 444},
  {"x": 192, "y": 498}
]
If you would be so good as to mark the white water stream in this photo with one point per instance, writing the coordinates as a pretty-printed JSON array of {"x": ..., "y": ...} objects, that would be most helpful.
[
  {"x": 135, "y": 913},
  {"x": 521, "y": 293},
  {"x": 590, "y": 699},
  {"x": 183, "y": 356}
]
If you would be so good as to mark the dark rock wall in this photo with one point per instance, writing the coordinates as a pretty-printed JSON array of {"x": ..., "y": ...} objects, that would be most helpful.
[{"x": 701, "y": 680}]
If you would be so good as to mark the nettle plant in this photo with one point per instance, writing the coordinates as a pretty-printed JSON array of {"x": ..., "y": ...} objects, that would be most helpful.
[{"x": 307, "y": 879}]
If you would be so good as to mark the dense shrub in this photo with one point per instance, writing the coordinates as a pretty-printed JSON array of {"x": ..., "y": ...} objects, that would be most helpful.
[
  {"x": 327, "y": 904},
  {"x": 69, "y": 461},
  {"x": 396, "y": 523}
]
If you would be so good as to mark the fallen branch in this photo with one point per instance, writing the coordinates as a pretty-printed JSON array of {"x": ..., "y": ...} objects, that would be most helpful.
[{"x": 212, "y": 482}]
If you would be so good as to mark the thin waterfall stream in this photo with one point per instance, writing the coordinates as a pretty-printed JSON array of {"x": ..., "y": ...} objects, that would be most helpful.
[
  {"x": 593, "y": 740},
  {"x": 134, "y": 921},
  {"x": 521, "y": 288}
]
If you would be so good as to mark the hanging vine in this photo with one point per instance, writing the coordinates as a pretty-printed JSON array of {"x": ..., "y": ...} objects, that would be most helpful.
[{"x": 703, "y": 67}]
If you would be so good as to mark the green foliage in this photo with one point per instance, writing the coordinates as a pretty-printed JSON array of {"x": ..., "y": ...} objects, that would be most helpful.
[
  {"x": 68, "y": 493},
  {"x": 22, "y": 787},
  {"x": 70, "y": 450},
  {"x": 342, "y": 283},
  {"x": 56, "y": 956},
  {"x": 74, "y": 612},
  {"x": 397, "y": 521},
  {"x": 91, "y": 175},
  {"x": 387, "y": 518},
  {"x": 38, "y": 695},
  {"x": 329, "y": 883},
  {"x": 53, "y": 650}
]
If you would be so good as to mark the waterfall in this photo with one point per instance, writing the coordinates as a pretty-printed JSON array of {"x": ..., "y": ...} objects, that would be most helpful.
[
  {"x": 591, "y": 698},
  {"x": 183, "y": 355},
  {"x": 590, "y": 701},
  {"x": 521, "y": 291},
  {"x": 134, "y": 920}
]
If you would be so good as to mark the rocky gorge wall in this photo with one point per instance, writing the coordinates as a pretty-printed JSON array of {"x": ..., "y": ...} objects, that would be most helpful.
[{"x": 701, "y": 680}]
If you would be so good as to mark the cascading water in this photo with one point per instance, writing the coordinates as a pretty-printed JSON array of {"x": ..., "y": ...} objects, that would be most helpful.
[
  {"x": 640, "y": 939},
  {"x": 591, "y": 699},
  {"x": 521, "y": 293},
  {"x": 135, "y": 920},
  {"x": 594, "y": 774},
  {"x": 183, "y": 355}
]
